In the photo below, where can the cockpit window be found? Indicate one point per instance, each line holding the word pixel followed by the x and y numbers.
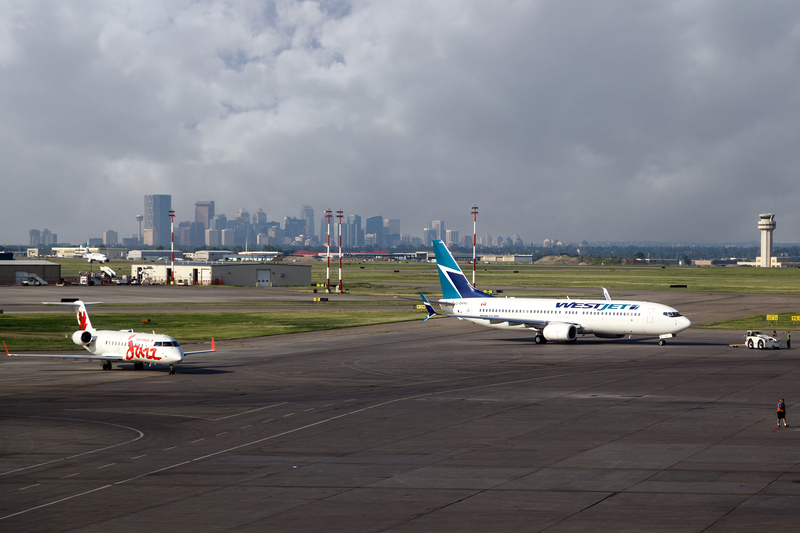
pixel 157 343
pixel 671 314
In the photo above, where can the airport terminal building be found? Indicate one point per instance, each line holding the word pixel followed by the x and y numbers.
pixel 235 274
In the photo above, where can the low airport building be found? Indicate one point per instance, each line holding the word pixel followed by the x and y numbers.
pixel 243 274
pixel 29 272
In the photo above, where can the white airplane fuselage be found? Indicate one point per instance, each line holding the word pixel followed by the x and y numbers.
pixel 598 317
pixel 147 348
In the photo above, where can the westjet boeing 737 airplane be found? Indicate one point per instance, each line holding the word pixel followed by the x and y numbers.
pixel 550 319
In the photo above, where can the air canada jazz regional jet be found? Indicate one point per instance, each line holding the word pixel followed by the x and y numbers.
pixel 551 319
pixel 120 346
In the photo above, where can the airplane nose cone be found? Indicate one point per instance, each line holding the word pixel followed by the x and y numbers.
pixel 685 323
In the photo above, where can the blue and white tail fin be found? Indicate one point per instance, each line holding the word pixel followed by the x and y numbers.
pixel 454 283
pixel 428 307
pixel 80 311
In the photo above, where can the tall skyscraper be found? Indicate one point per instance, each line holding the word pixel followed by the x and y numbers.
pixel 438 227
pixel 307 214
pixel 156 217
pixel 391 231
pixel 204 212
pixel 374 226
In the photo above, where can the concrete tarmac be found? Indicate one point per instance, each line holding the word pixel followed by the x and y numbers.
pixel 441 426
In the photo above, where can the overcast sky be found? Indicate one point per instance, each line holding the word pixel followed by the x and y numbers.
pixel 612 120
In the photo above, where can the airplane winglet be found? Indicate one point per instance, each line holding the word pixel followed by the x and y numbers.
pixel 605 294
pixel 213 348
pixel 6 347
pixel 428 307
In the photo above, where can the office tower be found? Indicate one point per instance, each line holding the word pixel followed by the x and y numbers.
pixel 307 214
pixel 110 238
pixel 49 239
pixel 156 218
pixel 35 237
pixel 438 227
pixel 352 232
pixel 391 231
pixel 294 227
pixel 374 226
pixel 218 222
pixel 259 217
pixel 204 212
pixel 452 237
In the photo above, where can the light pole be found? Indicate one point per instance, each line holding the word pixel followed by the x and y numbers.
pixel 171 246
pixel 340 215
pixel 328 254
pixel 474 240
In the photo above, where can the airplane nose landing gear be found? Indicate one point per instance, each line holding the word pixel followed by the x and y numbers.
pixel 171 369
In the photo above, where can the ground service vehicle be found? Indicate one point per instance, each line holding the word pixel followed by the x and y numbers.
pixel 755 338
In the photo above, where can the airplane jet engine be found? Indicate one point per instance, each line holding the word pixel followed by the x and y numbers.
pixel 560 332
pixel 82 338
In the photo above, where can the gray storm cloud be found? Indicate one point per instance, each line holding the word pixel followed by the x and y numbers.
pixel 672 121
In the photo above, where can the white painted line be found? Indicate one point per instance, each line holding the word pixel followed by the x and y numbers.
pixel 327 405
pixel 307 410
pixel 168 449
pixel 79 454
pixel 55 502
pixel 153 472
pixel 106 466
pixel 290 414
pixel 351 400
pixel 245 427
pixel 198 440
pixel 270 420
pixel 75 474
pixel 250 411
pixel 30 486
pixel 138 457
pixel 218 434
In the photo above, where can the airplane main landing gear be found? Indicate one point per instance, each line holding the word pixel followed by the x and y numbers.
pixel 171 369
pixel 539 339
pixel 138 366
pixel 106 365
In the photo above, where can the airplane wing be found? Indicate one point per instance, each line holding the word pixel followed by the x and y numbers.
pixel 213 349
pixel 100 357
pixel 538 324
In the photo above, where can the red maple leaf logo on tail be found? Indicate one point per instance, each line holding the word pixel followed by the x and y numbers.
pixel 82 320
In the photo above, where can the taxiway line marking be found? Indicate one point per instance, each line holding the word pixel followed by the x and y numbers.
pixel 78 454
pixel 250 411
pixel 54 502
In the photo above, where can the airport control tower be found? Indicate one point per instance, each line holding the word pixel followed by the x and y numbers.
pixel 766 223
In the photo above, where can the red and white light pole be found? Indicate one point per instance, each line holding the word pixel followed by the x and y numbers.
pixel 340 215
pixel 328 255
pixel 171 246
pixel 474 240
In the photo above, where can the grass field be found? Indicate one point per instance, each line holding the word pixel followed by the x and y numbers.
pixel 783 323
pixel 706 279
pixel 45 332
